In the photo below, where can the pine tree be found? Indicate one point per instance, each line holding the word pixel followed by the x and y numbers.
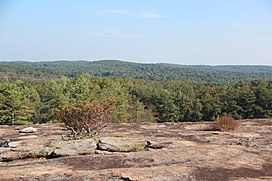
pixel 14 107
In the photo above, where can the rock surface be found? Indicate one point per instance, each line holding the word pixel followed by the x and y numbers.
pixel 72 148
pixel 114 144
pixel 176 151
pixel 28 130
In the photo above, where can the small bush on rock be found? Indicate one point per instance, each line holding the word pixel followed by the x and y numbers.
pixel 87 118
pixel 226 123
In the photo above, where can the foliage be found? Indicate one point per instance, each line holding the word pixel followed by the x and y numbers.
pixel 36 101
pixel 226 123
pixel 86 119
pixel 20 122
pixel 14 105
pixel 113 68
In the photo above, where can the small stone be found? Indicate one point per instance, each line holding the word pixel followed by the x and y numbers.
pixel 4 143
pixel 15 144
pixel 28 130
pixel 99 152
pixel 159 145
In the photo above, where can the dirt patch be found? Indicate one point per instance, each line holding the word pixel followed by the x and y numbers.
pixel 221 174
pixel 261 122
pixel 105 162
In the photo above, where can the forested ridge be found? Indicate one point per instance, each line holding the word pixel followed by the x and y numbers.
pixel 31 93
pixel 113 68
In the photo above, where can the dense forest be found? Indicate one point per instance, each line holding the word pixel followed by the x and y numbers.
pixel 34 92
pixel 113 68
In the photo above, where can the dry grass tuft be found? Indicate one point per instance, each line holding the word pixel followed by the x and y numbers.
pixel 226 123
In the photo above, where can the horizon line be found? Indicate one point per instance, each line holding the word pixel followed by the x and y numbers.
pixel 129 61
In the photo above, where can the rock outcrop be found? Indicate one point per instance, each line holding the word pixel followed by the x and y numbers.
pixel 142 151
pixel 115 144
pixel 66 148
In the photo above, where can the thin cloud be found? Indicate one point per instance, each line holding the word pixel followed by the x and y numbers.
pixel 150 15
pixel 142 14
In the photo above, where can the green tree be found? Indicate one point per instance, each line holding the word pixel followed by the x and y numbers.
pixel 51 96
pixel 166 108
pixel 14 107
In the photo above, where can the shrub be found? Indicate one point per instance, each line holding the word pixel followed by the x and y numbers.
pixel 22 122
pixel 226 123
pixel 87 118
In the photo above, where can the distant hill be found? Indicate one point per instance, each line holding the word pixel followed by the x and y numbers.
pixel 235 68
pixel 114 68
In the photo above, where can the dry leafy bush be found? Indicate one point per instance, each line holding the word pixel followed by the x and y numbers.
pixel 86 119
pixel 226 123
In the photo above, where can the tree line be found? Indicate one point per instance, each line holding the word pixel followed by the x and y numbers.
pixel 37 101
pixel 113 68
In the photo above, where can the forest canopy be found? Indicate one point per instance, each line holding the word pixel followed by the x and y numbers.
pixel 33 92
pixel 112 68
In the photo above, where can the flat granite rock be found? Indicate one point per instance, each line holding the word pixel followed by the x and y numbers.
pixel 114 144
pixel 64 148
pixel 51 149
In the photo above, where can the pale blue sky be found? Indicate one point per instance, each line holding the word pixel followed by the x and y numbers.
pixel 171 31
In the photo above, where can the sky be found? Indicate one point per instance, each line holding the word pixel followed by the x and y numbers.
pixel 212 32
